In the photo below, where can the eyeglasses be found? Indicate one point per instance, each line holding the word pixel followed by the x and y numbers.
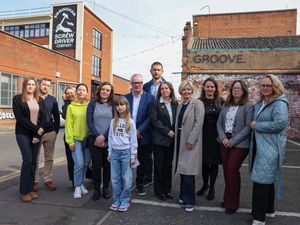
pixel 137 83
pixel 266 85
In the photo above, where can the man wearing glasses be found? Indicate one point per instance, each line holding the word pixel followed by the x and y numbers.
pixel 139 102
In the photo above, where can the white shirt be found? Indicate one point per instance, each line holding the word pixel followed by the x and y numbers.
pixel 261 108
pixel 135 105
pixel 230 118
pixel 154 88
pixel 169 108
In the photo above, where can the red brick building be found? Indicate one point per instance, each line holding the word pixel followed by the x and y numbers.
pixel 247 46
pixel 68 43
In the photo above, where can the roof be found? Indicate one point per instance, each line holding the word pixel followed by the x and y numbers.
pixel 245 44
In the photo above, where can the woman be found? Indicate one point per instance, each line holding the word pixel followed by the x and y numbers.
pixel 76 133
pixel 268 145
pixel 99 115
pixel 188 144
pixel 234 134
pixel 29 112
pixel 211 150
pixel 162 115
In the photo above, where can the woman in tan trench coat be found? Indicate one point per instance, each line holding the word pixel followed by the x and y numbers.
pixel 188 144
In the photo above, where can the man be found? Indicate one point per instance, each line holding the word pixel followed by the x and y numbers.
pixel 152 87
pixel 139 102
pixel 50 132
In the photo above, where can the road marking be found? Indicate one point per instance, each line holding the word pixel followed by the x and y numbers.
pixel 287 167
pixel 104 218
pixel 206 208
pixel 293 142
pixel 17 173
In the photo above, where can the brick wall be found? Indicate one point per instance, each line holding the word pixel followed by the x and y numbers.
pixel 246 24
pixel 121 85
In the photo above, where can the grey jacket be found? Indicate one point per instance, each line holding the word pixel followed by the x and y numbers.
pixel 241 127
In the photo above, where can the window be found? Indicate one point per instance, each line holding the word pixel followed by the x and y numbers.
pixel 96 68
pixel 10 86
pixel 97 39
pixel 29 30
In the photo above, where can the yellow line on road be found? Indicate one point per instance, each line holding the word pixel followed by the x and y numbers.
pixel 17 173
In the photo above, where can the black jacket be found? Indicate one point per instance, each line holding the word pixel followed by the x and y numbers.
pixel 22 115
pixel 161 123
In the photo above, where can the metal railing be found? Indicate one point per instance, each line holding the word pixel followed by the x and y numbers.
pixel 24 12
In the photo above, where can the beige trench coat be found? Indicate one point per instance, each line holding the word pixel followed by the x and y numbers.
pixel 189 162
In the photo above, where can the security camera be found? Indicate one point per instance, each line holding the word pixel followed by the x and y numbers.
pixel 57 74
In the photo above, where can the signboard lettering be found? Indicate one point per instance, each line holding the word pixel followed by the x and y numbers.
pixel 219 59
pixel 7 115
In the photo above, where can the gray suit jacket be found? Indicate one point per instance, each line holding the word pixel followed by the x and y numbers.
pixel 241 127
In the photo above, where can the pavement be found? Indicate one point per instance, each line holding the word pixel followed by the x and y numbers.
pixel 60 208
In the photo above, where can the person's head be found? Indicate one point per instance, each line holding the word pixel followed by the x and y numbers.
pixel 105 93
pixel 29 88
pixel 122 110
pixel 238 93
pixel 69 93
pixel 45 85
pixel 156 70
pixel 209 89
pixel 166 90
pixel 81 92
pixel 185 89
pixel 270 87
pixel 136 82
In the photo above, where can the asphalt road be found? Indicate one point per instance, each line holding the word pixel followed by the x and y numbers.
pixel 59 208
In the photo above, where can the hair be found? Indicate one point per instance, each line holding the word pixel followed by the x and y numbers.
pixel 68 88
pixel 136 75
pixel 183 84
pixel 244 99
pixel 157 64
pixel 121 100
pixel 45 79
pixel 24 91
pixel 277 86
pixel 216 94
pixel 77 86
pixel 172 94
pixel 110 99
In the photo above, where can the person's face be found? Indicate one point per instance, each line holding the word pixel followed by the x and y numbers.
pixel 266 87
pixel 137 84
pixel 81 92
pixel 105 92
pixel 121 108
pixel 209 89
pixel 70 94
pixel 187 92
pixel 237 90
pixel 30 87
pixel 156 72
pixel 165 91
pixel 45 87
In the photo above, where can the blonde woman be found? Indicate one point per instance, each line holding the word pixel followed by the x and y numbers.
pixel 268 147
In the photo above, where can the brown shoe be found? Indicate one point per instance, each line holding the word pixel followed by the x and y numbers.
pixel 36 187
pixel 50 186
pixel 33 195
pixel 26 198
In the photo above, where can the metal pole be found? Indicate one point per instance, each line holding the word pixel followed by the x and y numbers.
pixel 207 6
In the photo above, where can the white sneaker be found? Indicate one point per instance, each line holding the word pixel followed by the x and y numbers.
pixel 84 191
pixel 77 192
pixel 257 222
pixel 270 215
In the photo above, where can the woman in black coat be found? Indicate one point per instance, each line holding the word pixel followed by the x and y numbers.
pixel 162 115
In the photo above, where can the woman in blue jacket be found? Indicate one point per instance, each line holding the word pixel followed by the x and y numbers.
pixel 267 147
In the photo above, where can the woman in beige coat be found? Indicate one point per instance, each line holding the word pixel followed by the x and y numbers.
pixel 188 144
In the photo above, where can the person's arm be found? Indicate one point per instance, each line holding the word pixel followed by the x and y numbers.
pixel 90 119
pixel 146 123
pixel 69 127
pixel 56 117
pixel 155 119
pixel 110 137
pixel 133 140
pixel 199 113
pixel 220 129
pixel 64 110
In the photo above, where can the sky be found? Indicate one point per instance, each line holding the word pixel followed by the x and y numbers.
pixel 145 31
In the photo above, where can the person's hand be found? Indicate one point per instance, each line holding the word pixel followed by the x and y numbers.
pixel 132 161
pixel 171 134
pixel 189 146
pixel 253 125
pixel 100 140
pixel 72 147
pixel 35 140
pixel 139 135
pixel 225 142
pixel 108 158
pixel 40 131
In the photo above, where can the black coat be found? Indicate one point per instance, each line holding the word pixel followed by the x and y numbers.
pixel 161 123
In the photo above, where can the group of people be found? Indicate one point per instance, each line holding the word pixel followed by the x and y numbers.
pixel 187 137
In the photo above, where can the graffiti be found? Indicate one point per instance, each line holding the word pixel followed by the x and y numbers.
pixel 7 115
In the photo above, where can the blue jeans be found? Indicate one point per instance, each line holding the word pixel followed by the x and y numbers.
pixel 121 174
pixel 29 153
pixel 187 190
pixel 81 157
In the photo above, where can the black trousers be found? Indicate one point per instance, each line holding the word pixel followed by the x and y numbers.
pixel 163 157
pixel 29 153
pixel 148 177
pixel 187 189
pixel 262 200
pixel 99 162
pixel 70 162
pixel 144 152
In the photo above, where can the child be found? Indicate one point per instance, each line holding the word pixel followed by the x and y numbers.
pixel 122 150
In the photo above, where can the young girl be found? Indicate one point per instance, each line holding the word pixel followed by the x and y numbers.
pixel 122 150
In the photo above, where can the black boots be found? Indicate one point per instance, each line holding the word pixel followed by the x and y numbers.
pixel 202 190
pixel 106 193
pixel 211 194
pixel 96 195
